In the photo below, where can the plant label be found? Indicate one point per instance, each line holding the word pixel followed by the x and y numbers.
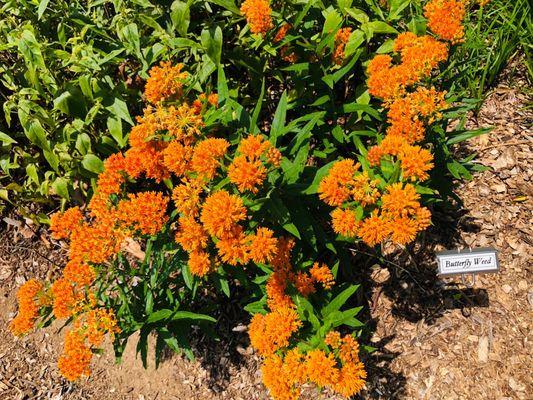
pixel 468 261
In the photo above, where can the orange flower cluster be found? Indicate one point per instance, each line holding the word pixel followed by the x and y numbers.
pixel 258 14
pixel 89 330
pixel 337 368
pixel 165 82
pixel 345 186
pixel 248 169
pixel 419 56
pixel 445 19
pixel 341 38
pixel 28 300
pixel 284 368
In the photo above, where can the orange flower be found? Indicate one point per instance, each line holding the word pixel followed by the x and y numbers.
pixel 79 272
pixel 445 19
pixel 272 331
pixel 390 145
pixel 341 38
pixel 253 147
pixel 349 350
pixel 333 189
pixel 247 175
pixel 165 81
pixel 275 290
pixel 277 382
pixel 333 339
pixel 64 298
pixel 322 274
pixel 191 235
pixel 62 224
pixel 415 162
pixel 186 196
pixel 321 368
pixel 282 260
pixel 28 313
pixel 351 379
pixel 281 33
pixel 76 357
pixel 207 155
pixel 273 156
pixel 100 321
pixel 364 189
pixel 199 263
pixel 263 246
pixel 344 222
pixel 258 15
pixel 374 230
pixel 304 283
pixel 233 247
pixel 177 157
pixel 400 200
pixel 183 122
pixel 294 367
pixel 220 212
pixel 405 112
pixel 419 56
pixel 403 230
pixel 145 211
pixel 422 216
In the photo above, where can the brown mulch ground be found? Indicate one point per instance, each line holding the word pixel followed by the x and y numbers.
pixel 435 339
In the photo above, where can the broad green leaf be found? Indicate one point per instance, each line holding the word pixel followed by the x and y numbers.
pixel 332 21
pixel 42 7
pixel 181 16
pixel 227 4
pixel 6 139
pixel 114 125
pixel 60 186
pixel 119 109
pixel 92 163
pixel 212 42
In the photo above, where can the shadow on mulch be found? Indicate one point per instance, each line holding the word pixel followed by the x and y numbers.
pixel 415 291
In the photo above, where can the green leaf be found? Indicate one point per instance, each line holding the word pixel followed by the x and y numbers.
pixel 42 7
pixel 279 119
pixel 114 125
pixel 187 276
pixel 181 16
pixel 60 186
pixel 227 4
pixel 119 109
pixel 92 163
pixel 332 21
pixel 37 135
pixel 461 136
pixel 6 139
pixel 159 315
pixel 320 174
pixel 339 300
pixel 212 42
pixel 190 315
pixel 52 159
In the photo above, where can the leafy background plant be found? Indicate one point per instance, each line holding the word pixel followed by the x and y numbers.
pixel 71 74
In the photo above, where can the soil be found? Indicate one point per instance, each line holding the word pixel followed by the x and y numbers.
pixel 434 338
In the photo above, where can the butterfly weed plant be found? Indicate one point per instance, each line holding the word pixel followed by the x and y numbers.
pixel 305 127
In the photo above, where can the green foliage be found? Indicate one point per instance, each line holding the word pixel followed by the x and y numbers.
pixel 495 34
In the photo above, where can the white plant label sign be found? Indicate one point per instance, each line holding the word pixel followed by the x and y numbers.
pixel 468 261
